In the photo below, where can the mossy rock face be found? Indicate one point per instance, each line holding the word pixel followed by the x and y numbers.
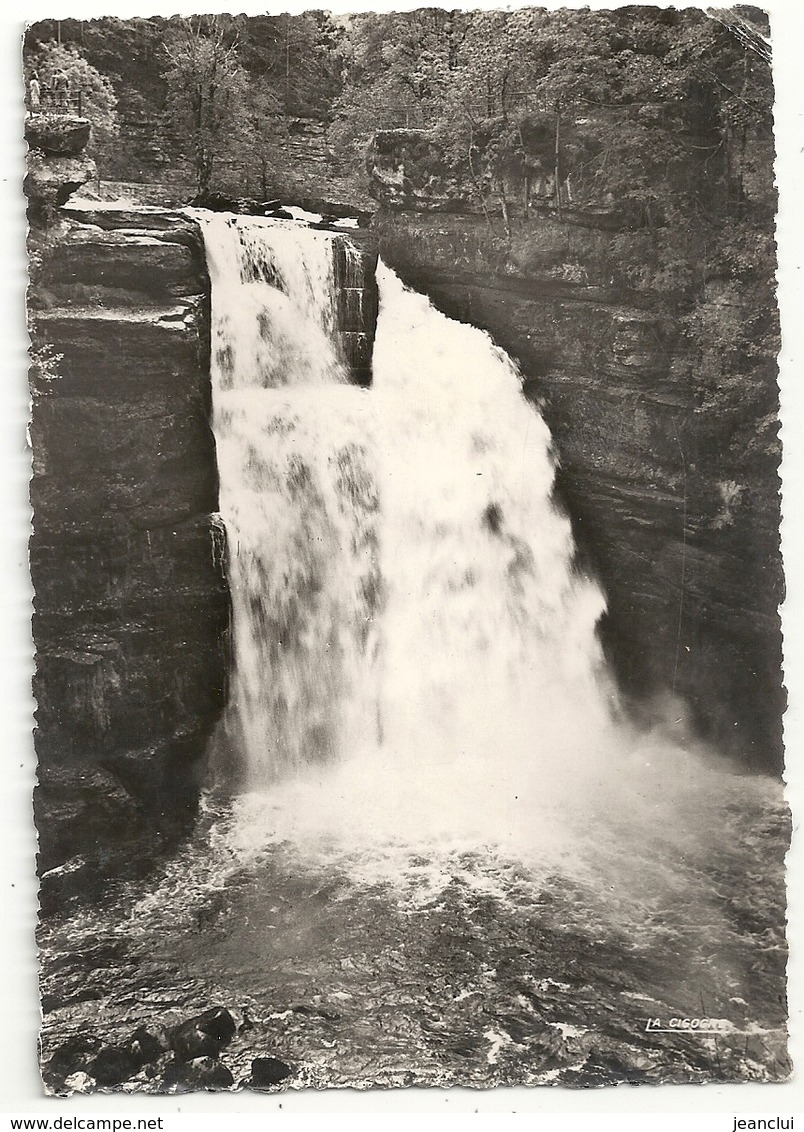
pixel 57 134
pixel 408 171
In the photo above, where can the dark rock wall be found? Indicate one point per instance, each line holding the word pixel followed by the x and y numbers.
pixel 131 605
pixel 301 165
pixel 356 302
pixel 687 553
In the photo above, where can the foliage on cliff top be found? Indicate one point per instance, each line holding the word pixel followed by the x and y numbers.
pixel 98 99
pixel 660 118
pixel 646 108
pixel 210 106
pixel 214 92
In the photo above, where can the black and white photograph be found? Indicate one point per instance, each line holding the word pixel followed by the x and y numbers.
pixel 405 552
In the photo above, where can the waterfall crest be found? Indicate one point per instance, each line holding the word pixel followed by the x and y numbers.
pixel 273 303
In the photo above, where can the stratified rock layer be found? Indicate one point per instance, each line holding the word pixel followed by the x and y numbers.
pixel 684 539
pixel 131 605
pixel 408 171
pixel 356 303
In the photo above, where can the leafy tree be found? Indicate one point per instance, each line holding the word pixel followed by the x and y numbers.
pixel 98 99
pixel 395 68
pixel 295 56
pixel 212 108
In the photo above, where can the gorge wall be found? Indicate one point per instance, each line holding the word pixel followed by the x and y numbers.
pixel 131 606
pixel 682 532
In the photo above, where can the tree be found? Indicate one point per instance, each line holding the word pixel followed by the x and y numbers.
pixel 213 110
pixel 98 100
pixel 395 68
pixel 295 56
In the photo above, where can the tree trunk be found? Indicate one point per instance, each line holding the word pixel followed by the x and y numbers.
pixel 504 205
pixel 201 178
pixel 479 187
pixel 558 160
pixel 204 171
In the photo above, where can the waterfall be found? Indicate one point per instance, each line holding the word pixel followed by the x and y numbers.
pixel 432 851
pixel 273 304
pixel 488 632
pixel 296 494
pixel 414 650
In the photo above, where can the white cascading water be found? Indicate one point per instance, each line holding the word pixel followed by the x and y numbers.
pixel 273 305
pixel 415 660
pixel 297 500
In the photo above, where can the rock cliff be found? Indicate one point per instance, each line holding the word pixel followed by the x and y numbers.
pixel 131 606
pixel 682 533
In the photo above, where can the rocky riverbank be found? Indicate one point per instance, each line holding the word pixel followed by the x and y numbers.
pixel 186 1057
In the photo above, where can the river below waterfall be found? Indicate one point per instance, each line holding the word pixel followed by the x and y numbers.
pixel 466 970
pixel 433 849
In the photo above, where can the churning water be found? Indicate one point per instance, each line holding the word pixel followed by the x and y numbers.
pixel 436 851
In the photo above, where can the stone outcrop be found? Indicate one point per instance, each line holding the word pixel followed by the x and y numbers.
pixel 684 541
pixel 57 135
pixel 51 181
pixel 56 166
pixel 131 605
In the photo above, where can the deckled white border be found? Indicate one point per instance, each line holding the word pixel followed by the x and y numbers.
pixel 20 1088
